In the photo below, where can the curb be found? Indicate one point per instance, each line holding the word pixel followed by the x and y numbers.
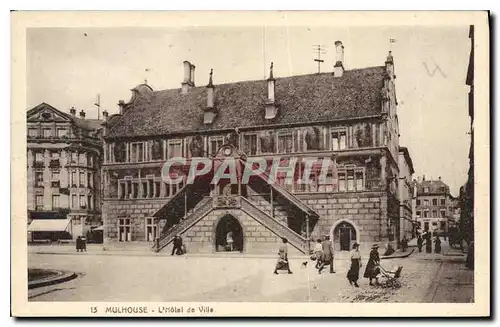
pixel 406 255
pixel 60 278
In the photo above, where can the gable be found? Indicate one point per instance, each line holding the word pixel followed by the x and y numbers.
pixel 46 113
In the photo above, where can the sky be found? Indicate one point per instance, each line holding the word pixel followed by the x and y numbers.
pixel 70 66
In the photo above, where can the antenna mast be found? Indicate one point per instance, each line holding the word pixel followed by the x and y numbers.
pixel 319 50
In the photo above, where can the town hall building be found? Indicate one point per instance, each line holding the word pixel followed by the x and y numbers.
pixel 347 116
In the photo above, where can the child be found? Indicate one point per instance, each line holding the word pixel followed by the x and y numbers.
pixel 318 252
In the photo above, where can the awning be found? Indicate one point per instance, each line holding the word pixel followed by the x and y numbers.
pixel 49 225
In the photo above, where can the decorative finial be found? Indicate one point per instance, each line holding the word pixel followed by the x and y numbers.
pixel 210 81
pixel 146 81
pixel 271 71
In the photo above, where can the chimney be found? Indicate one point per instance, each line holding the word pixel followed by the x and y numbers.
pixel 188 81
pixel 82 114
pixel 423 178
pixel 121 104
pixel 72 111
pixel 439 178
pixel 105 115
pixel 389 66
pixel 271 109
pixel 210 112
pixel 338 68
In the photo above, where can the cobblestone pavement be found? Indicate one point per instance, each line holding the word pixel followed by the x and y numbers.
pixel 425 278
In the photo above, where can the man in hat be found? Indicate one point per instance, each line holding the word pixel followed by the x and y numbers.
pixel 372 270
pixel 327 255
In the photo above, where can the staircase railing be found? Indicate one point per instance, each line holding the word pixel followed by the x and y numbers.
pixel 296 240
pixel 204 208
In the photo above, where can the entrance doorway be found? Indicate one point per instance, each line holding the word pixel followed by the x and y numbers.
pixel 228 228
pixel 344 236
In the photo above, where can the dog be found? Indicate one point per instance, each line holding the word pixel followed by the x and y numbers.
pixel 304 264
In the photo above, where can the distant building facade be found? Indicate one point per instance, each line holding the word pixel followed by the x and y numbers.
pixel 435 206
pixel 407 224
pixel 64 158
pixel 348 116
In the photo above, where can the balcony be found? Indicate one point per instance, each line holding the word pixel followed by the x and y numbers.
pixel 54 163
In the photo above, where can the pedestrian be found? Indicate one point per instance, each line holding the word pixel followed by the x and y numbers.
pixel 372 267
pixel 327 257
pixel 79 244
pixel 404 244
pixel 420 243
pixel 84 244
pixel 318 252
pixel 428 243
pixel 283 263
pixel 437 245
pixel 230 240
pixel 353 273
pixel 177 248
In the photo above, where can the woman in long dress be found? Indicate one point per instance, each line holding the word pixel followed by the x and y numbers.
pixel 372 270
pixel 353 273
pixel 283 263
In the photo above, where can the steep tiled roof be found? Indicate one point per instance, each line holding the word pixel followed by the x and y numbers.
pixel 435 187
pixel 304 98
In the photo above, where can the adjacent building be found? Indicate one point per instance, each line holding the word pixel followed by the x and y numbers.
pixel 347 116
pixel 64 158
pixel 435 206
pixel 407 224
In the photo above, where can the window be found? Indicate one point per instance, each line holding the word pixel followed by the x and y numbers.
pixel 89 201
pixel 434 214
pixel 156 150
pixel 39 178
pixel 124 230
pixel 443 202
pixel 157 189
pixel 426 213
pixel 47 132
pixel 434 223
pixel 39 202
pixel 426 202
pixel 54 155
pixel 74 157
pixel 137 152
pixel 426 190
pixel 250 144
pixel 73 178
pixel 418 214
pixel 39 157
pixel 62 132
pixel 443 213
pixel 90 180
pixel 32 132
pixel 442 225
pixel 55 175
pixel 434 202
pixel 82 178
pixel 285 143
pixel 83 159
pixel 55 201
pixel 73 201
pixel 174 148
pixel 426 226
pixel 418 202
pixel 150 230
pixel 338 140
pixel 215 143
pixel 83 205
pixel 351 180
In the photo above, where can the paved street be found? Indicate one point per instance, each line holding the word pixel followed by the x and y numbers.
pixel 129 277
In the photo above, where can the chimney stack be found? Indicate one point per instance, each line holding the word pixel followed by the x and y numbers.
pixel 121 104
pixel 338 68
pixel 188 81
pixel 82 114
pixel 210 112
pixel 271 109
pixel 389 66
pixel 72 111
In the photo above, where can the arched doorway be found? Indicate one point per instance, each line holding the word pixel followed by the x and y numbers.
pixel 228 227
pixel 344 235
